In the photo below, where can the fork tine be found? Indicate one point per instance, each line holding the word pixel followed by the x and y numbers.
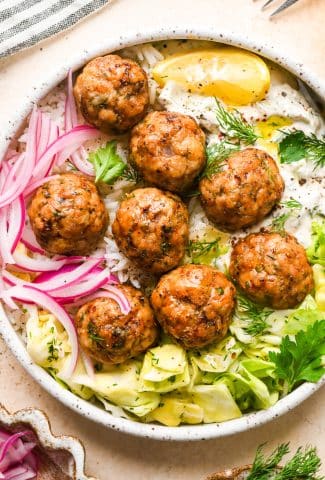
pixel 267 4
pixel 284 6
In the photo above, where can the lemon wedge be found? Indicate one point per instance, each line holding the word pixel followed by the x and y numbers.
pixel 235 76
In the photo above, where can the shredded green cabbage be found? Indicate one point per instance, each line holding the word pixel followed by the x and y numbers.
pixel 316 252
pixel 171 386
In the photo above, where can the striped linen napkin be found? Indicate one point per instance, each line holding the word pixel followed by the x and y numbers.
pixel 24 23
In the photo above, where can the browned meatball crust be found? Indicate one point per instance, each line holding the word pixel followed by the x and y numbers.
pixel 244 191
pixel 194 305
pixel 168 149
pixel 272 269
pixel 151 229
pixel 112 93
pixel 68 216
pixel 110 336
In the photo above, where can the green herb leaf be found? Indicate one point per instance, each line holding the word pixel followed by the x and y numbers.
pixel 93 334
pixel 234 125
pixel 297 146
pixel 107 163
pixel 131 174
pixel 304 465
pixel 278 223
pixel 256 314
pixel 216 155
pixel 300 359
pixel 197 249
pixel 263 467
pixel 53 350
pixel 292 204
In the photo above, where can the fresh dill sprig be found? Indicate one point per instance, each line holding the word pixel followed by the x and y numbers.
pixel 263 467
pixel 278 223
pixel 131 174
pixel 304 465
pixel 297 145
pixel 256 314
pixel 216 155
pixel 292 203
pixel 196 249
pixel 234 125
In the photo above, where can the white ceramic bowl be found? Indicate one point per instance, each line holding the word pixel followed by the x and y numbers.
pixel 65 452
pixel 182 433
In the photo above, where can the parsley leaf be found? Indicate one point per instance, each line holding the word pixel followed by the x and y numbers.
pixel 234 125
pixel 297 145
pixel 107 163
pixel 300 359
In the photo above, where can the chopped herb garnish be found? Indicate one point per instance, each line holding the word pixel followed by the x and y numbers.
pixel 256 314
pixel 291 203
pixel 93 334
pixel 107 163
pixel 53 350
pixel 297 145
pixel 197 249
pixel 234 125
pixel 131 174
pixel 165 246
pixel 216 155
pixel 278 223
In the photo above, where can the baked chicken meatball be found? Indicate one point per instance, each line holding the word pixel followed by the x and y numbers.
pixel 194 305
pixel 110 336
pixel 244 191
pixel 68 216
pixel 271 269
pixel 168 149
pixel 151 229
pixel 112 93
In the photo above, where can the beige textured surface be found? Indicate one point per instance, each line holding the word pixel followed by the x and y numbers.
pixel 299 34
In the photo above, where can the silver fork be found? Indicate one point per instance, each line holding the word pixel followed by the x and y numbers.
pixel 286 4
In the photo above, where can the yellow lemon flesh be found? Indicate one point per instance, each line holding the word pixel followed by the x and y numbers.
pixel 266 130
pixel 235 76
